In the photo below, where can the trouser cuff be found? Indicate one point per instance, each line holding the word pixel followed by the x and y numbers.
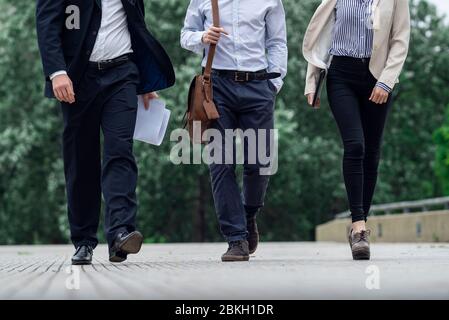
pixel 251 211
pixel 236 238
pixel 358 217
pixel 91 244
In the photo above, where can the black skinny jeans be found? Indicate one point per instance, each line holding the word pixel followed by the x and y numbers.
pixel 361 124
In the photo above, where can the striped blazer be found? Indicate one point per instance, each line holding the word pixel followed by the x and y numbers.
pixel 391 24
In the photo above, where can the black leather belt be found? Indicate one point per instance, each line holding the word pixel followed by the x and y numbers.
pixel 107 64
pixel 351 59
pixel 243 76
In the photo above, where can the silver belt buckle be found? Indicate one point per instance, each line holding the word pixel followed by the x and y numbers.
pixel 237 79
pixel 100 63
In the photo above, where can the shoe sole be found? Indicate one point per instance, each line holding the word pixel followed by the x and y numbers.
pixel 116 259
pixel 361 254
pixel 234 258
pixel 253 250
pixel 81 263
pixel 133 243
pixel 256 240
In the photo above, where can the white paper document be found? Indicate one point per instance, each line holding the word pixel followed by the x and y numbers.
pixel 151 124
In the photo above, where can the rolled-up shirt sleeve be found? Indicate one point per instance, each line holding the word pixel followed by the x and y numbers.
pixel 276 42
pixel 383 86
pixel 193 30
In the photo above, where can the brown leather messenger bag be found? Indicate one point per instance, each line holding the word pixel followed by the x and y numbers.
pixel 201 108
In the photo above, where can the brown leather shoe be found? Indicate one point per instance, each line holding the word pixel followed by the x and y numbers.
pixel 253 234
pixel 359 243
pixel 237 251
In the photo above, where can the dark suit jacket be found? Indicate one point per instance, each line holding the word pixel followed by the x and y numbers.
pixel 64 49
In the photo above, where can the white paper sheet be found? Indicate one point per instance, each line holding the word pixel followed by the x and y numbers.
pixel 151 124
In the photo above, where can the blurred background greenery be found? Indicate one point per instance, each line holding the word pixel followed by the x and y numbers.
pixel 175 201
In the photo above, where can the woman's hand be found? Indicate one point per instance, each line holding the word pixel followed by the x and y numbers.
pixel 379 95
pixel 212 36
pixel 310 100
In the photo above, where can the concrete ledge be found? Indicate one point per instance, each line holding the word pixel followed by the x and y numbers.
pixel 409 227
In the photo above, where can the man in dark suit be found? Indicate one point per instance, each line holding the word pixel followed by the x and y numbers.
pixel 97 57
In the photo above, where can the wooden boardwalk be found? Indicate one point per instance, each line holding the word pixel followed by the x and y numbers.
pixel 193 271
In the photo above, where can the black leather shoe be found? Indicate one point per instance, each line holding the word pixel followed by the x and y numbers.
pixel 125 243
pixel 117 256
pixel 83 255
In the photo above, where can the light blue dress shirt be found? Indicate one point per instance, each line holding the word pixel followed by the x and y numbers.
pixel 257 37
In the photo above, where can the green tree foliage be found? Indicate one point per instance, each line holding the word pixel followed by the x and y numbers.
pixel 441 138
pixel 407 172
pixel 175 201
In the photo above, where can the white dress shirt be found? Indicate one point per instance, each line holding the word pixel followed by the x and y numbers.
pixel 113 39
pixel 257 35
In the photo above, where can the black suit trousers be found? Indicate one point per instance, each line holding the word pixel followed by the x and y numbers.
pixel 106 101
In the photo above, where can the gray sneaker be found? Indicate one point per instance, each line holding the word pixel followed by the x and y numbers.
pixel 237 251
pixel 359 243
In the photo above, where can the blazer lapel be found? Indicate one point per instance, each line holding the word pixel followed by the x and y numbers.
pixel 98 2
pixel 375 15
pixel 318 36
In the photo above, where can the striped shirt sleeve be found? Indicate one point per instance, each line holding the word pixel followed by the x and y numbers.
pixel 383 86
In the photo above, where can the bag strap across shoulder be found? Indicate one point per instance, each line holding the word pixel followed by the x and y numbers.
pixel 213 47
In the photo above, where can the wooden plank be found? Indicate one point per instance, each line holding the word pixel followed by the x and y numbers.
pixel 193 271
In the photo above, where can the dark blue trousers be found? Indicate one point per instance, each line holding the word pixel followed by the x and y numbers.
pixel 242 105
pixel 105 100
